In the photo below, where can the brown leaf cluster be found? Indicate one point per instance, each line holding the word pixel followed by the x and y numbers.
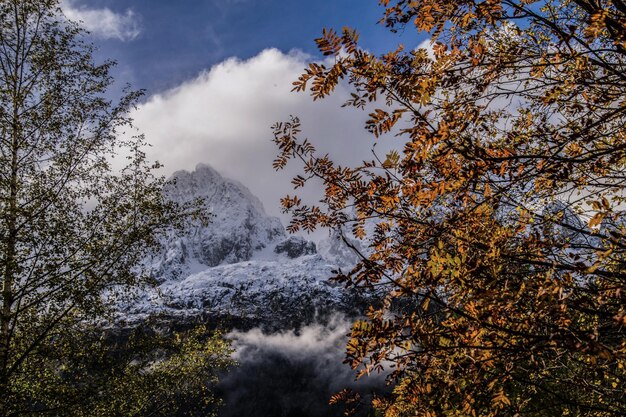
pixel 496 230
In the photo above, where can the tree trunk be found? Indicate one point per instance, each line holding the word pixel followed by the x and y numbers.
pixel 10 267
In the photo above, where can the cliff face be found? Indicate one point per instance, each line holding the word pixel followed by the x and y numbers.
pixel 242 266
pixel 238 228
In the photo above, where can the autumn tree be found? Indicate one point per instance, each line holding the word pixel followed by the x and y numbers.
pixel 496 231
pixel 72 229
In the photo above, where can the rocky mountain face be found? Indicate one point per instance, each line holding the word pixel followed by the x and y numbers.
pixel 237 229
pixel 242 267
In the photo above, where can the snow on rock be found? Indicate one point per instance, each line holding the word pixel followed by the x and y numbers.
pixel 276 294
pixel 242 264
pixel 238 227
pixel 295 247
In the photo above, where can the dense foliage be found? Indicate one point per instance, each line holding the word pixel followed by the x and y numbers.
pixel 146 370
pixel 72 229
pixel 496 231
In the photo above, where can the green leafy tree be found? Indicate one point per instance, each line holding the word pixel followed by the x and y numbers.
pixel 147 370
pixel 72 230
pixel 498 238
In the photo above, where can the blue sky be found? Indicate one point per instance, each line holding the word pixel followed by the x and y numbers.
pixel 218 74
pixel 176 39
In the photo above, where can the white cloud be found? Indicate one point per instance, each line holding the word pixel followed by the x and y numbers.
pixel 294 371
pixel 223 118
pixel 309 341
pixel 427 45
pixel 103 23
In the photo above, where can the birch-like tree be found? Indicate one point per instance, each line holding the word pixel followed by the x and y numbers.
pixel 72 229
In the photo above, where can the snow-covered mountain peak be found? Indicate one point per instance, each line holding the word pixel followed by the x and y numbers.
pixel 241 264
pixel 239 226
pixel 219 192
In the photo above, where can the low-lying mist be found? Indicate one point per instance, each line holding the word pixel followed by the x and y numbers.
pixel 291 373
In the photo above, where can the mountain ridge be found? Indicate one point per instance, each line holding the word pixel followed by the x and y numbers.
pixel 242 264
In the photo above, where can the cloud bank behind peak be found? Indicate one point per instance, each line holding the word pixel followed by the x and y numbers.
pixel 223 117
